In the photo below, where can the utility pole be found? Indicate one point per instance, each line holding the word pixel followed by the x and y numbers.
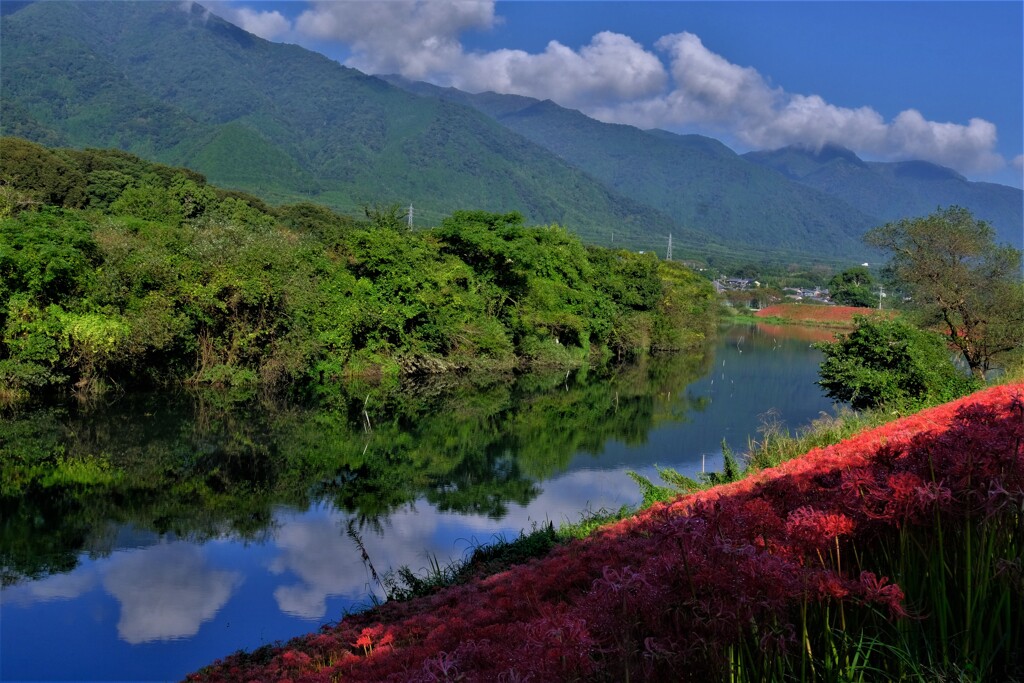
pixel 880 295
pixel 668 255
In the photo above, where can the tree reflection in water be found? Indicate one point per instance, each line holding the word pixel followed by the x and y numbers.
pixel 198 466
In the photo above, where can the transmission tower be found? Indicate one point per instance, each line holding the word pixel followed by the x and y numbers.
pixel 410 216
pixel 668 255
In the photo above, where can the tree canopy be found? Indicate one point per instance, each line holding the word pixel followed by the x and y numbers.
pixel 852 287
pixel 958 278
pixel 119 271
pixel 890 362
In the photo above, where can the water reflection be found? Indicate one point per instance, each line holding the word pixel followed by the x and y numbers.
pixel 54 587
pixel 166 591
pixel 157 533
pixel 195 467
pixel 319 562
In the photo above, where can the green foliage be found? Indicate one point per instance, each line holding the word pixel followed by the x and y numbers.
pixel 731 470
pixel 890 363
pixel 852 287
pixel 41 173
pixel 148 202
pixel 287 124
pixel 959 280
pixel 677 484
pixel 167 279
pixel 318 221
pixel 390 217
pixel 49 255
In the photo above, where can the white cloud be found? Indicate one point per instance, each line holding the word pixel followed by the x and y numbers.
pixel 269 25
pixel 710 91
pixel 616 79
pixel 413 37
pixel 54 587
pixel 611 65
pixel 166 591
pixel 317 559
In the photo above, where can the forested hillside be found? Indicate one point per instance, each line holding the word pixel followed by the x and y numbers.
pixel 120 271
pixel 697 180
pixel 890 191
pixel 175 83
pixel 790 198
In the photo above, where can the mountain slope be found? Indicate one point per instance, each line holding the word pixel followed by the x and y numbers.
pixel 898 190
pixel 699 181
pixel 177 84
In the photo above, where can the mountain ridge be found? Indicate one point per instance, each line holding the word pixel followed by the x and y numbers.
pixel 900 189
pixel 290 124
pixel 698 180
pixel 884 191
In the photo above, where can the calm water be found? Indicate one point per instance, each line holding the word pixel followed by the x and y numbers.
pixel 211 524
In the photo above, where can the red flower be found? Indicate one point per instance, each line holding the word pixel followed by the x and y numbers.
pixel 881 591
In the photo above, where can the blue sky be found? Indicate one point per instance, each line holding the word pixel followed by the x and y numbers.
pixel 941 81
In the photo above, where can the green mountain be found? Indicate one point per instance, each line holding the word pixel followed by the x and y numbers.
pixel 172 82
pixel 697 180
pixel 903 189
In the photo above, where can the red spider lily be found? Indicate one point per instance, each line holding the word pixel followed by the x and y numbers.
pixel 881 591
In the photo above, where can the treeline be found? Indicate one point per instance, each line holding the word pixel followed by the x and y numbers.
pixel 114 270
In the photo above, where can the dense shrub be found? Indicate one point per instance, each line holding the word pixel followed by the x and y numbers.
pixel 205 286
pixel 889 362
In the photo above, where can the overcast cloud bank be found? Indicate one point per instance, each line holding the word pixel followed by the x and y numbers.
pixel 680 85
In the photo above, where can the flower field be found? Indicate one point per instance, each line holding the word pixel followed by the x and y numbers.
pixel 894 555
pixel 813 314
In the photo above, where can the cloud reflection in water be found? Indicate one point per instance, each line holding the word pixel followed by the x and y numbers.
pixel 166 591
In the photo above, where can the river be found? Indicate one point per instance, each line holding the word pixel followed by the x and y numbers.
pixel 178 529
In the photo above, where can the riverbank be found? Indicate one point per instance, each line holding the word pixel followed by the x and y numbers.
pixel 804 567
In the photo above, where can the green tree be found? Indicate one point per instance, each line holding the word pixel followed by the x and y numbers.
pixel 43 174
pixel 852 287
pixel 148 202
pixel 889 362
pixel 387 217
pixel 958 278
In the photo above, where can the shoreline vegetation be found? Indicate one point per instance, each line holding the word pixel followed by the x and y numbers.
pixel 894 553
pixel 120 273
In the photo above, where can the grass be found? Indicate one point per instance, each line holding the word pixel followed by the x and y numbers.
pixel 775 446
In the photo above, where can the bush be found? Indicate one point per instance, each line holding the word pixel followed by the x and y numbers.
pixel 888 362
